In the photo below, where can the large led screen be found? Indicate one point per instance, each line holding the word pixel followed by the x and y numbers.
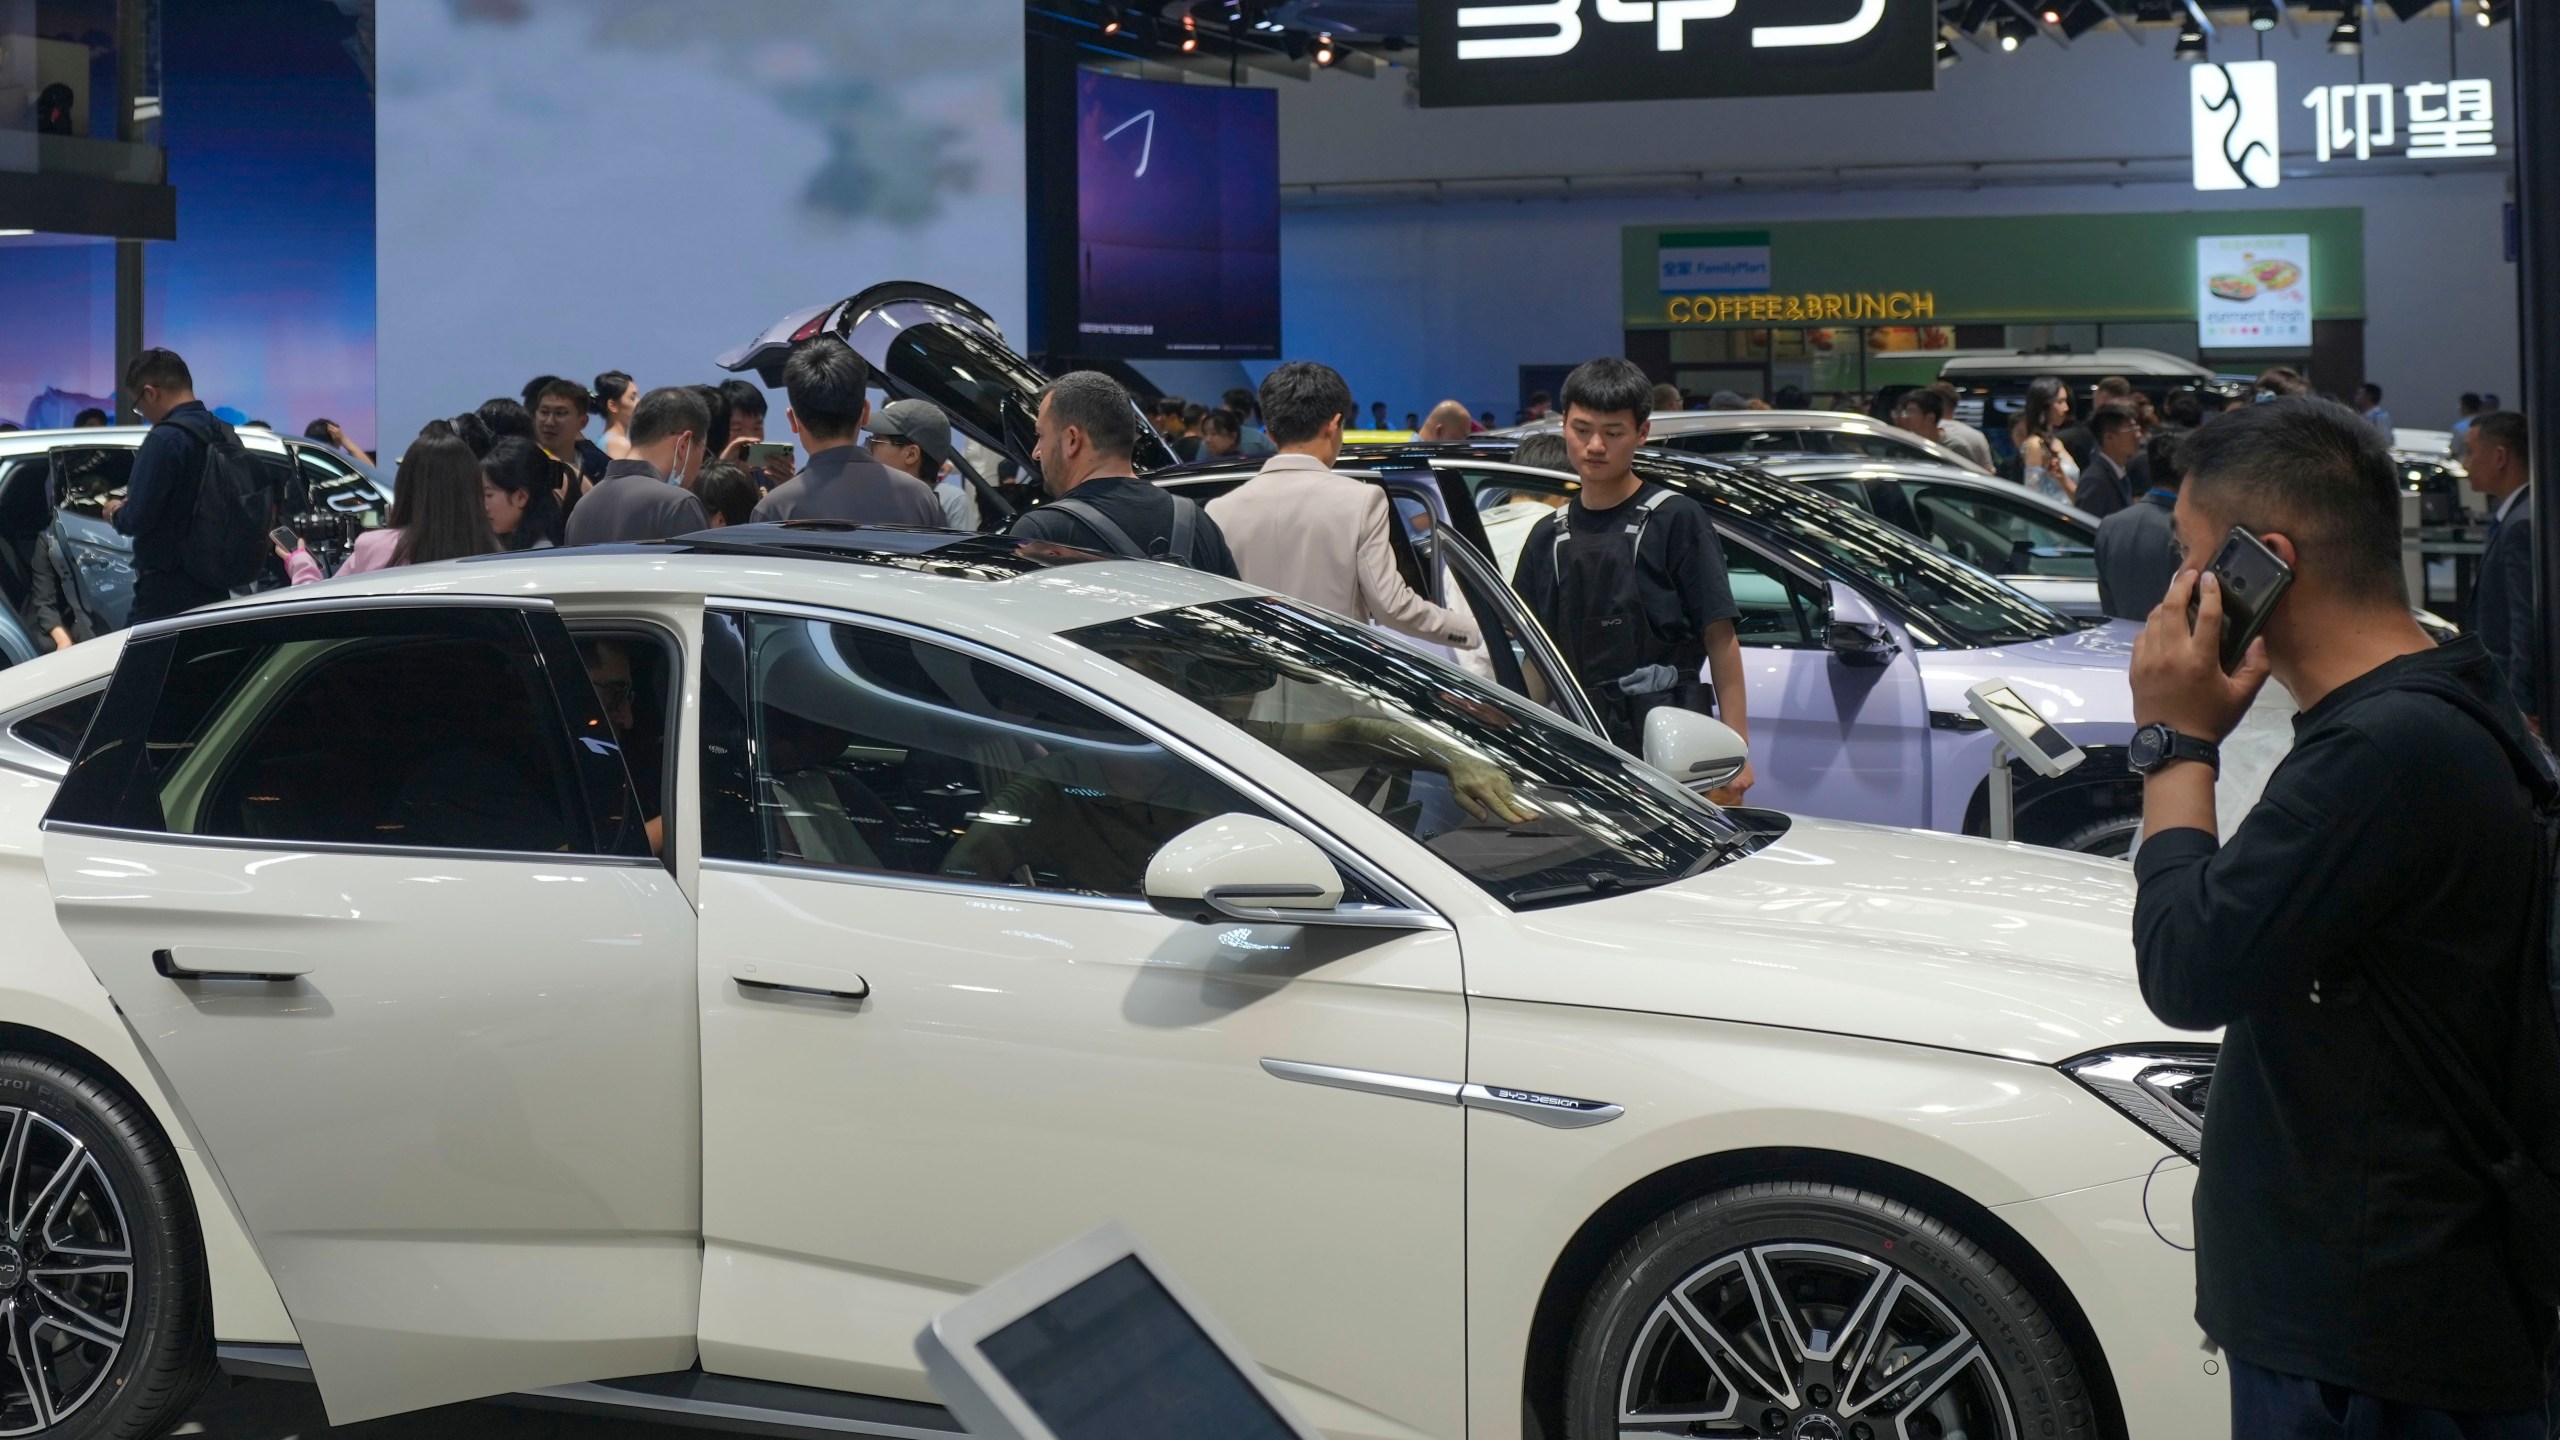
pixel 1178 220
pixel 575 186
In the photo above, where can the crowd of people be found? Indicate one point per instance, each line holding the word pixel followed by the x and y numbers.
pixel 2391 873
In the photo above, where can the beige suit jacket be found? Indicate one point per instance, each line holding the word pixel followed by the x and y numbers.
pixel 1306 532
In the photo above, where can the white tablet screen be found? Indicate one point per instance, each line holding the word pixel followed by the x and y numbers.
pixel 1116 1358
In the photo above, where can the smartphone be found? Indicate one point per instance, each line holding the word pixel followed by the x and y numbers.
pixel 285 539
pixel 762 454
pixel 2252 580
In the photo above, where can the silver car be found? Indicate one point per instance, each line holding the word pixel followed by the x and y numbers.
pixel 1784 432
pixel 2040 546
pixel 54 485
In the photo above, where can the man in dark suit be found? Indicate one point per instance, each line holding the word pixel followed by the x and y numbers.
pixel 2502 611
pixel 2138 545
pixel 2106 484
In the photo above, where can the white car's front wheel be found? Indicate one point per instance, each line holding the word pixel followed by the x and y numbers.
pixel 101 1273
pixel 1817 1312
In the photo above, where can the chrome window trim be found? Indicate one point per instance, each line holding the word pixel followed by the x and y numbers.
pixel 326 847
pixel 933 884
pixel 22 755
pixel 1371 875
pixel 1459 462
pixel 331 604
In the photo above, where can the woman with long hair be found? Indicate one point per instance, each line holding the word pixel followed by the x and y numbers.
pixel 2045 464
pixel 436 508
pixel 615 398
pixel 519 491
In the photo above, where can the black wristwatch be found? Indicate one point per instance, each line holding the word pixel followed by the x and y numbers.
pixel 2156 747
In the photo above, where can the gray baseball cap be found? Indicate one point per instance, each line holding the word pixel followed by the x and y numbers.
pixel 915 422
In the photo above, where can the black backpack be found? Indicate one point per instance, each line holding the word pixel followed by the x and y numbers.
pixel 225 544
pixel 2511 1140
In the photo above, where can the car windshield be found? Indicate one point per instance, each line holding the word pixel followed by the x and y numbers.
pixel 1954 606
pixel 1535 811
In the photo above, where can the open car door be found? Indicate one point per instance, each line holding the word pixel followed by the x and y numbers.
pixel 925 343
pixel 368 881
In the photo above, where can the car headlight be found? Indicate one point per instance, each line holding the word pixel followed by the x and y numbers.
pixel 2161 1088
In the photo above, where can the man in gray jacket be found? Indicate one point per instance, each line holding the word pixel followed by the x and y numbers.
pixel 644 495
pixel 2138 545
pixel 827 384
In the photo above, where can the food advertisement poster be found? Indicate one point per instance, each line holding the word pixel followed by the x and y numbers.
pixel 2253 292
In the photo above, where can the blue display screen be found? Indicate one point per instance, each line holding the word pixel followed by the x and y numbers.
pixel 1178 220
pixel 1117 1358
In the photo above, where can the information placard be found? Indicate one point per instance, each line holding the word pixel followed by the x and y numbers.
pixel 2253 292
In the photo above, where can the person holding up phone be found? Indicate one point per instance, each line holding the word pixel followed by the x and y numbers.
pixel 828 382
pixel 2350 1260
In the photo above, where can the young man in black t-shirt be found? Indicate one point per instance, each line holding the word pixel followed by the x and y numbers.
pixel 1629 578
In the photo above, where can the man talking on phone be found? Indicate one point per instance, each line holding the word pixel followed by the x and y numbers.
pixel 2350 1261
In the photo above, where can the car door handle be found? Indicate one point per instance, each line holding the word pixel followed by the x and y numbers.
pixel 786 978
pixel 270 968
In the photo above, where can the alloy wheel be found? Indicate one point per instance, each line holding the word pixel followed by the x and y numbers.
pixel 66 1273
pixel 1809 1342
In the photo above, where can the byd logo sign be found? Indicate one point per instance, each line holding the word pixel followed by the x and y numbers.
pixel 1533 51
pixel 1561 24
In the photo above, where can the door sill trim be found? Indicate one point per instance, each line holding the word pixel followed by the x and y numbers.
pixel 692 1397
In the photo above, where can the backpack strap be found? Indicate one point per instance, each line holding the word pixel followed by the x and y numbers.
pixel 1100 524
pixel 1186 519
pixel 2533 765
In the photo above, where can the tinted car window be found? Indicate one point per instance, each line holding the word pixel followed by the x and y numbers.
pixel 879 752
pixel 2002 536
pixel 1778 610
pixel 1872 443
pixel 437 729
pixel 1955 605
pixel 1533 810
pixel 57 731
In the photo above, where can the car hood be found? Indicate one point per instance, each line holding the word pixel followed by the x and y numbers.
pixel 1904 935
pixel 2082 678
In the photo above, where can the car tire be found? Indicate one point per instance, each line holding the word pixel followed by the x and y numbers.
pixel 105 1285
pixel 2108 839
pixel 1896 1317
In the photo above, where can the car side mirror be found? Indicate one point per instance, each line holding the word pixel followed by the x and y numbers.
pixel 1857 634
pixel 1697 750
pixel 1241 867
pixel 1246 867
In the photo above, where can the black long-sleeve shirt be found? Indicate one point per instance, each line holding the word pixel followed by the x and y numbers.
pixel 160 494
pixel 2338 1236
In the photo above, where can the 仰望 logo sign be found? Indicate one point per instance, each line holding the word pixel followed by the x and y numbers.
pixel 2446 120
pixel 2238 143
pixel 2253 292
pixel 1518 52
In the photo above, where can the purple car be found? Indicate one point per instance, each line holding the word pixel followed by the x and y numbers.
pixel 1859 639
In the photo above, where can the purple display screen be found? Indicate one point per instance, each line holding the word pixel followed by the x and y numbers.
pixel 1178 220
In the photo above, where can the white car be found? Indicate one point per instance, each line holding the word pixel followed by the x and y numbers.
pixel 1485 1081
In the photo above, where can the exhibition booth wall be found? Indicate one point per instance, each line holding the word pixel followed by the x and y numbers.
pixel 1454 252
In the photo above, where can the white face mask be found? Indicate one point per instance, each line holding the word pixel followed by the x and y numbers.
pixel 676 461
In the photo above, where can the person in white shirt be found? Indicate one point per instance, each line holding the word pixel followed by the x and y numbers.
pixel 1306 532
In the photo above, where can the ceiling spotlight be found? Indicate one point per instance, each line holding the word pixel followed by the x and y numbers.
pixel 2191 46
pixel 2052 14
pixel 2348 38
pixel 2014 32
pixel 2262 14
pixel 1947 55
pixel 1190 42
pixel 1112 21
pixel 1324 49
